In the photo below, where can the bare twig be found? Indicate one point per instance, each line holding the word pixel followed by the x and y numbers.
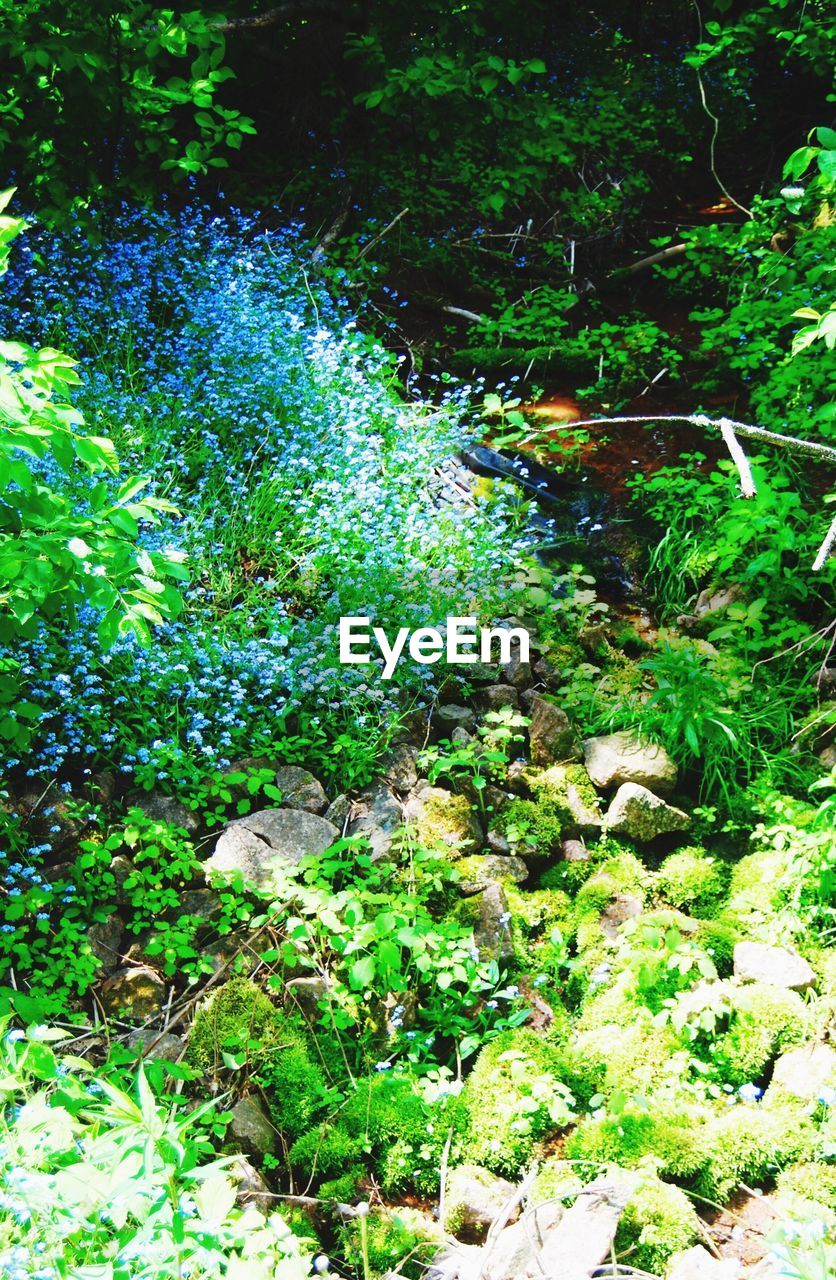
pixel 465 314
pixel 672 251
pixel 715 121
pixel 826 547
pixel 747 482
pixel 376 239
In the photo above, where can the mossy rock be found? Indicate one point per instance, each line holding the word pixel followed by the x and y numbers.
pixel 676 1134
pixel 446 821
pixel 754 894
pixel 748 1144
pixel 692 880
pixel 401 1240
pixel 765 1021
pixel 556 1180
pixel 658 1221
pixel 506 1120
pixel 718 939
pixel 813 1181
pixel 632 1058
pixel 237 1017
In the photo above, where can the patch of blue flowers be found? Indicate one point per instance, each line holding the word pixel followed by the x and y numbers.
pixel 307 488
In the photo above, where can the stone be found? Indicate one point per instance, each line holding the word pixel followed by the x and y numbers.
pixel 570 786
pixel 481 870
pixel 251 1127
pixel 300 789
pixel 444 819
pixel 497 843
pixel 492 924
pixel 460 737
pixel 51 822
pixel 306 993
pixel 104 938
pixel 623 757
pixel 758 962
pixel 584 1236
pixel 339 811
pixel 137 993
pixel 550 734
pixel 159 807
pixel 159 1045
pixel 400 767
pixel 623 907
pixel 258 845
pixel 518 673
pixel 497 696
pixel 805 1072
pixel 575 851
pixel 636 812
pixel 517 1248
pixel 451 716
pixel 200 904
pixel 252 1187
pixel 379 818
pixel 474 1199
pixel 709 607
pixel 699 1264
pixel 458 1262
pixel 121 868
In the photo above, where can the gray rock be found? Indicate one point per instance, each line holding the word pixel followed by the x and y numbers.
pixel 710 606
pixel 338 811
pixel 121 868
pixel 104 938
pixel 805 1072
pixel 258 845
pixel 451 716
pixel 575 851
pixel 300 789
pixel 135 993
pixel 497 696
pixel 584 1236
pixel 52 822
pixel 497 843
pixel 474 1199
pixel 201 904
pixel 623 907
pixel 252 1187
pixel 379 819
pixel 160 1045
pixel 518 673
pixel 252 1129
pixel 623 757
pixel 492 925
pixel 699 1264
pixel 638 813
pixel 516 1250
pixel 482 870
pixel 550 734
pixel 158 807
pixel 400 766
pixel 306 993
pixel 757 962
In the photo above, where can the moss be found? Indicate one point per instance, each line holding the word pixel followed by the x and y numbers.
pixel 718 939
pixel 506 1120
pixel 326 1150
pixel 691 879
pixel 532 827
pixel 238 1016
pixel 403 1241
pixel 765 1020
pixel 754 895
pixel 556 1180
pixel 345 1188
pixel 677 1135
pixel 632 1057
pixel 536 920
pixel 749 1144
pixel 814 1181
pixel 447 823
pixel 658 1221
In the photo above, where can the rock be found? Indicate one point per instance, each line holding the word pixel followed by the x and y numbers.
pixel 338 811
pixel 805 1072
pixel 136 993
pixel 583 1237
pixel 710 605
pixel 379 818
pixel 104 938
pixel 444 819
pixel 623 757
pixel 306 993
pixel 497 696
pixel 451 716
pixel 400 767
pixel 638 813
pixel 492 925
pixel 623 907
pixel 474 1199
pixel 121 868
pixel 51 822
pixel 518 673
pixel 251 1127
pixel 699 1264
pixel 200 904
pixel 300 789
pixel 827 757
pixel 570 787
pixel 159 1045
pixel 159 807
pixel 517 1248
pixel 481 870
pixel 258 845
pixel 497 843
pixel 575 851
pixel 252 1187
pixel 758 962
pixel 550 734
pixel 457 1262
pixel 460 737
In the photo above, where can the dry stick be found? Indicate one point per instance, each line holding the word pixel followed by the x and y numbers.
pixel 826 547
pixel 376 239
pixel 464 313
pixel 715 120
pixel 672 251
pixel 747 482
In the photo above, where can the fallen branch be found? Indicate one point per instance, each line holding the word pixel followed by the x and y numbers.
pixel 473 316
pixel 747 482
pixel 376 239
pixel 328 238
pixel 826 547
pixel 672 251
